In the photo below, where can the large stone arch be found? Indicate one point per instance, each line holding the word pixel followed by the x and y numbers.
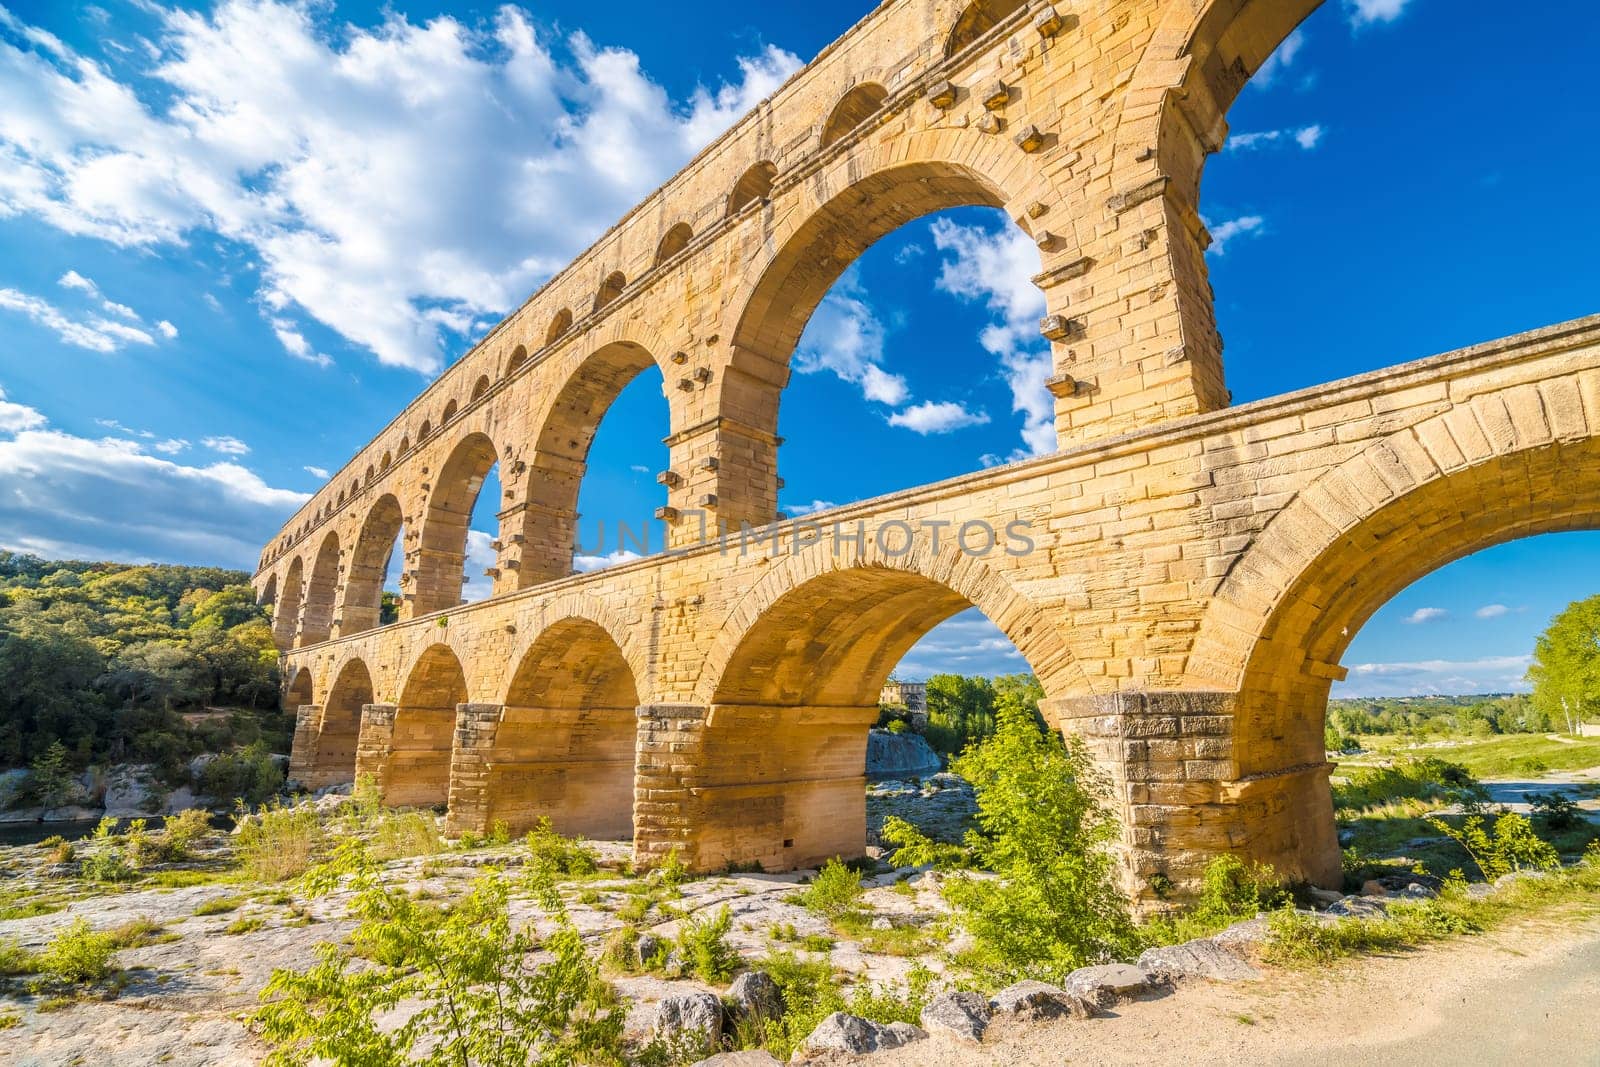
pixel 405 746
pixel 329 758
pixel 627 634
pixel 361 602
pixel 1502 466
pixel 560 745
pixel 286 613
pixel 322 591
pixel 442 551
pixel 298 689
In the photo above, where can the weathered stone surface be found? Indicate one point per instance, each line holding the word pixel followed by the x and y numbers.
pixel 842 1032
pixel 755 995
pixel 899 755
pixel 1040 1000
pixel 1107 983
pixel 747 1058
pixel 1201 958
pixel 692 1018
pixel 962 1015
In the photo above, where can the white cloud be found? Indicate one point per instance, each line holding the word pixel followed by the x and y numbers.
pixel 73 280
pixel 941 416
pixel 1307 137
pixel 14 418
pixel 227 444
pixel 480 556
pixel 639 468
pixel 294 342
pixel 316 472
pixel 584 563
pixel 1281 59
pixel 170 447
pixel 1424 615
pixel 337 155
pixel 1227 231
pixel 1490 674
pixel 95 334
pixel 998 268
pixel 166 329
pixel 68 496
pixel 1366 12
pixel 1492 611
pixel 845 337
pixel 796 511
pixel 966 643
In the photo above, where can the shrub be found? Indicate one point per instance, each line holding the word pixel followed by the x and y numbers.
pixel 15 960
pixel 278 842
pixel 481 999
pixel 1556 811
pixel 1229 892
pixel 1418 778
pixel 703 943
pixel 550 854
pixel 835 891
pixel 250 775
pixel 181 832
pixel 106 862
pixel 1510 846
pixel 1053 904
pixel 219 906
pixel 78 954
pixel 406 833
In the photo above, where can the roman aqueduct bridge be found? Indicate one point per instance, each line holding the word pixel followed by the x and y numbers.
pixel 1192 573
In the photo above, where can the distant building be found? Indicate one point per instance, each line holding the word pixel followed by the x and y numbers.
pixel 913 696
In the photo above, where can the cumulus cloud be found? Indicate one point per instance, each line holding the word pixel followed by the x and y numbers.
pixel 95 333
pixel 294 342
pixel 966 643
pixel 1366 12
pixel 480 557
pixel 1225 232
pixel 1492 611
pixel 997 268
pixel 584 562
pixel 941 416
pixel 1283 58
pixel 845 338
pixel 1490 674
pixel 316 472
pixel 1307 137
pixel 338 154
pixel 110 498
pixel 797 511
pixel 227 444
pixel 1423 615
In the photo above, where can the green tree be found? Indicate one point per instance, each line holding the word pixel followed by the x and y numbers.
pixel 1566 665
pixel 52 778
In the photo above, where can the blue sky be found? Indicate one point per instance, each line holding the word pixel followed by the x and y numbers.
pixel 236 238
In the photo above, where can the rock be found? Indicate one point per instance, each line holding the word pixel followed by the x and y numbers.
pixel 17 815
pixel 1039 1000
pixel 1418 891
pixel 690 1018
pixel 71 813
pixel 1518 876
pixel 899 755
pixel 198 765
pixel 1479 890
pixel 747 1058
pixel 1374 888
pixel 1246 934
pixel 648 948
pixel 1324 896
pixel 130 792
pixel 842 1032
pixel 1358 907
pixel 1107 983
pixel 962 1015
pixel 882 923
pixel 1201 958
pixel 12 785
pixel 755 995
pixel 179 800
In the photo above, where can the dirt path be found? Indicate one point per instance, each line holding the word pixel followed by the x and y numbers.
pixel 1528 995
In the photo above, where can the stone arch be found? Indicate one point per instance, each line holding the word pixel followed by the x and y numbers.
pixel 299 691
pixel 424 430
pixel 405 445
pixel 268 597
pixel 361 608
pixel 1281 619
pixel 519 356
pixel 556 466
pixel 442 549
pixel 406 748
pixel 322 591
pixel 480 387
pixel 753 185
pixel 332 755
pixel 977 19
pixel 562 746
pixel 675 240
pixel 854 108
pixel 558 326
pixel 387 459
pixel 286 618
pixel 450 409
pixel 610 289
pixel 793 682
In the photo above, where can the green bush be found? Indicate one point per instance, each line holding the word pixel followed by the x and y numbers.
pixel 1557 811
pixel 550 854
pixel 399 834
pixel 278 842
pixel 106 860
pixel 15 960
pixel 1510 846
pixel 181 832
pixel 1044 832
pixel 1413 778
pixel 834 892
pixel 1230 891
pixel 78 954
pixel 703 944
pixel 250 775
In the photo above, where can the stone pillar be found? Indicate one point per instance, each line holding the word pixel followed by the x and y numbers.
pixel 303 754
pixel 472 744
pixel 723 472
pixel 375 744
pixel 418 770
pixel 536 540
pixel 669 750
pixel 574 766
pixel 1177 789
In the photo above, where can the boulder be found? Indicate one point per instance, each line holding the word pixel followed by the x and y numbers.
pixel 130 792
pixel 693 1019
pixel 648 950
pixel 755 995
pixel 198 765
pixel 1201 958
pixel 179 800
pixel 1039 1000
pixel 13 784
pixel 1358 907
pixel 899 755
pixel 1324 896
pixel 843 1032
pixel 1107 983
pixel 961 1015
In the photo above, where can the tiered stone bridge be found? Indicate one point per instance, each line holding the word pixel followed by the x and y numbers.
pixel 1183 577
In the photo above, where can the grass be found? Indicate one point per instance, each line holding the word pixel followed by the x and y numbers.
pixel 279 843
pixel 219 906
pixel 9 1019
pixel 244 925
pixel 1507 756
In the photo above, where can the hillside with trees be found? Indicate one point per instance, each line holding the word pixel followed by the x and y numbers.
pixel 104 660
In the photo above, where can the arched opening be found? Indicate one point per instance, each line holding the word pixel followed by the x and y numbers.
pixel 854 108
pixel 785 745
pixel 563 748
pixel 674 241
pixel 405 445
pixel 442 554
pixel 424 430
pixel 755 184
pixel 299 691
pixel 610 289
pixel 408 753
pixel 333 759
pixel 370 562
pixel 286 617
pixel 560 464
pixel 977 19
pixel 558 326
pixel 449 412
pixel 384 463
pixel 515 363
pixel 269 592
pixel 322 590
pixel 480 387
